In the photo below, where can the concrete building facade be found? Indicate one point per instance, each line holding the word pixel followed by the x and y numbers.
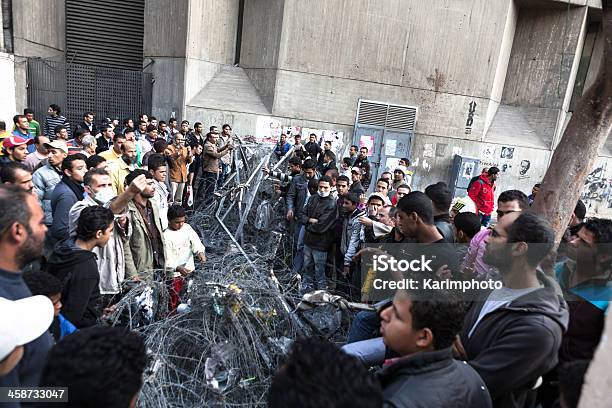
pixel 494 80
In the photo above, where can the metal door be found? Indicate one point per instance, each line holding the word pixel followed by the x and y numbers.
pixel 389 129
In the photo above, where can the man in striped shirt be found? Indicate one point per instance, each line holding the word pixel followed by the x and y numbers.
pixel 53 120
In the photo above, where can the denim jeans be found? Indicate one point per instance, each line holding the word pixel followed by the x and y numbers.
pixel 224 170
pixel 313 271
pixel 484 219
pixel 298 259
pixel 363 327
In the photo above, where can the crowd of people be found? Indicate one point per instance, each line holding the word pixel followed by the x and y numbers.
pixel 85 209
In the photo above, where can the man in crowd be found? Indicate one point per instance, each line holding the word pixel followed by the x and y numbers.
pixel 46 177
pixel 313 149
pixel 441 197
pixel 211 168
pixel 35 129
pixel 114 152
pixel 513 337
pixel 321 160
pixel 319 218
pixel 399 176
pixel 473 266
pixel 66 193
pixel 61 133
pixel 282 147
pixel 15 149
pixel 17 174
pixel 382 187
pixel 89 146
pixel 353 153
pixel 105 140
pixel 21 242
pixel 482 192
pixel 146 143
pixel 575 223
pixel 144 247
pixel 22 130
pixel 110 258
pixel 225 138
pixel 101 364
pixel 180 157
pixel 356 177
pixel 534 193
pixel 158 168
pixel 421 329
pixel 32 160
pixel 163 131
pixel 298 146
pixel 74 263
pixel 399 193
pixel 88 123
pixel 316 373
pixel 351 230
pixel 53 120
pixel 362 163
pixel 119 169
pixel 141 131
pixel 76 145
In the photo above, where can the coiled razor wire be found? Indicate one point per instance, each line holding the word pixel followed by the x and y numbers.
pixel 238 314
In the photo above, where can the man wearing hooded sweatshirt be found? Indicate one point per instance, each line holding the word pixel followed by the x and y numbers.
pixel 66 193
pixel 513 337
pixel 319 218
pixel 74 263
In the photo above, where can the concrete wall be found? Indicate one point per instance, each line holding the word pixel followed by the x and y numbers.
pixel 165 43
pixel 261 41
pixel 211 41
pixel 38 31
pixel 7 88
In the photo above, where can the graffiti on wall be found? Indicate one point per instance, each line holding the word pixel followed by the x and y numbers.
pixel 470 118
pixel 597 190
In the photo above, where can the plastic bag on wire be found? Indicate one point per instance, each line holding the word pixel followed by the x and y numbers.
pixel 264 215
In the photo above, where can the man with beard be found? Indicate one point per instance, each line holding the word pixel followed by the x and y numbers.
pixel 119 169
pixel 22 223
pixel 513 337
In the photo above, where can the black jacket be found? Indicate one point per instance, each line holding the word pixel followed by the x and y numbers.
pixel 296 193
pixel 357 188
pixel 78 270
pixel 516 344
pixel 443 224
pixel 319 236
pixel 313 149
pixel 103 144
pixel 365 166
pixel 432 379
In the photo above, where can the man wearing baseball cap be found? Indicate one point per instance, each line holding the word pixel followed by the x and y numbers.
pixel 21 322
pixel 15 148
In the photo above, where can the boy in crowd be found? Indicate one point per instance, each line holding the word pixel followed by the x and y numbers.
pixel 101 366
pixel 74 263
pixel 317 374
pixel 422 330
pixel 182 243
pixel 45 284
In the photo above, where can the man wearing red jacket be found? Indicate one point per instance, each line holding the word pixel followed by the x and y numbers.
pixel 482 192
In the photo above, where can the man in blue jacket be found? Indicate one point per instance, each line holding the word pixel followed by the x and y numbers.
pixel 282 147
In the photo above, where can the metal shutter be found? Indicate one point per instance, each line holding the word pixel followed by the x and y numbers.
pixel 107 33
pixel 386 115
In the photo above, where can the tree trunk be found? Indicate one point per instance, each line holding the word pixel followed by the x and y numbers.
pixel 586 132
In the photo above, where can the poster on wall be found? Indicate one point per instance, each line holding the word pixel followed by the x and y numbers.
pixel 391 147
pixel 367 141
pixel 391 164
pixel 268 130
pixel 336 138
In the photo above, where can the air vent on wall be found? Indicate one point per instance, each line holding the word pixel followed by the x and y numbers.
pixel 386 115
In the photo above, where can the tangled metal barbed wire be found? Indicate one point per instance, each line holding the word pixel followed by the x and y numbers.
pixel 238 315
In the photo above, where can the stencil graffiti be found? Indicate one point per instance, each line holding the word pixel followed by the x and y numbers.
pixel 525 166
pixel 507 152
pixel 470 119
pixel 598 188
